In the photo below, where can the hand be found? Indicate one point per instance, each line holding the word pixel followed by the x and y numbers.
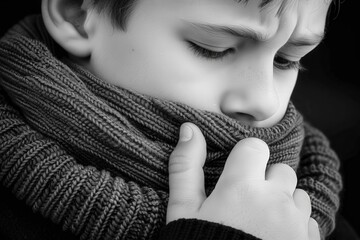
pixel 262 202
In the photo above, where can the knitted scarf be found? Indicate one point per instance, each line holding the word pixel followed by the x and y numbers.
pixel 93 157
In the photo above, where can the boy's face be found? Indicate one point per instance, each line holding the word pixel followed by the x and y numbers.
pixel 216 55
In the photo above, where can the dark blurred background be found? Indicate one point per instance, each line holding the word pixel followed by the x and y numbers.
pixel 328 95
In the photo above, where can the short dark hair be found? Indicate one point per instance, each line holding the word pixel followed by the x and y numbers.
pixel 119 11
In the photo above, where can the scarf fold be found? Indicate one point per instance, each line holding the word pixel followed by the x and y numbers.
pixel 93 157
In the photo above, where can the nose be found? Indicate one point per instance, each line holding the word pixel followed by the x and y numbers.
pixel 252 96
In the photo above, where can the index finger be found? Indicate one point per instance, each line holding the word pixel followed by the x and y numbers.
pixel 247 160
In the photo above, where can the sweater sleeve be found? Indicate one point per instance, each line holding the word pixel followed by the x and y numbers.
pixel 85 201
pixel 194 229
pixel 319 175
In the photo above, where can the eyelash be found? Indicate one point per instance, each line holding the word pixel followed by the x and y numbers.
pixel 208 54
pixel 279 62
pixel 285 64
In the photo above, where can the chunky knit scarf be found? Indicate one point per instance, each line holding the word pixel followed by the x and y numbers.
pixel 93 157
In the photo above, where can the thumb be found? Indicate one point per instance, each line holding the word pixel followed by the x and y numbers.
pixel 186 176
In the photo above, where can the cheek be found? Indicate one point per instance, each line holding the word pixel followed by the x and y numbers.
pixel 163 69
pixel 113 59
pixel 169 61
pixel 174 76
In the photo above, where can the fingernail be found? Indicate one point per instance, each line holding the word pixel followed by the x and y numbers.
pixel 186 133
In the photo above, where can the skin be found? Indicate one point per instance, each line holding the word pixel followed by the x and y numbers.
pixel 153 56
pixel 252 84
pixel 261 201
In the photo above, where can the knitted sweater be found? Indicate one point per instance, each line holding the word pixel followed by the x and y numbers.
pixel 93 157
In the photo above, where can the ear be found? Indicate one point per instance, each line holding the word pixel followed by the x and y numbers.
pixel 64 20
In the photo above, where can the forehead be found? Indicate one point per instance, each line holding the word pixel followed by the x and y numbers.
pixel 265 6
pixel 312 14
pixel 263 15
pixel 231 10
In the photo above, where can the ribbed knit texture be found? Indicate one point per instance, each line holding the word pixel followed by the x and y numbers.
pixel 93 157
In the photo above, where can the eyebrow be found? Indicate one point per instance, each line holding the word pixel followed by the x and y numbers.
pixel 245 32
pixel 236 31
pixel 313 39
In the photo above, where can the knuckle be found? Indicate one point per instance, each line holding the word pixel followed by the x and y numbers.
pixel 286 170
pixel 184 202
pixel 313 223
pixel 178 163
pixel 304 195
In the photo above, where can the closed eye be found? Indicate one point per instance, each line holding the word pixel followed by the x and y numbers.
pixel 284 64
pixel 280 62
pixel 207 53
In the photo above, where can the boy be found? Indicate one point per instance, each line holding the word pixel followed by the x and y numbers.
pixel 227 66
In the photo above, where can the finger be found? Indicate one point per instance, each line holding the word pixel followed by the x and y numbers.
pixel 247 160
pixel 283 176
pixel 186 176
pixel 302 201
pixel 314 232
